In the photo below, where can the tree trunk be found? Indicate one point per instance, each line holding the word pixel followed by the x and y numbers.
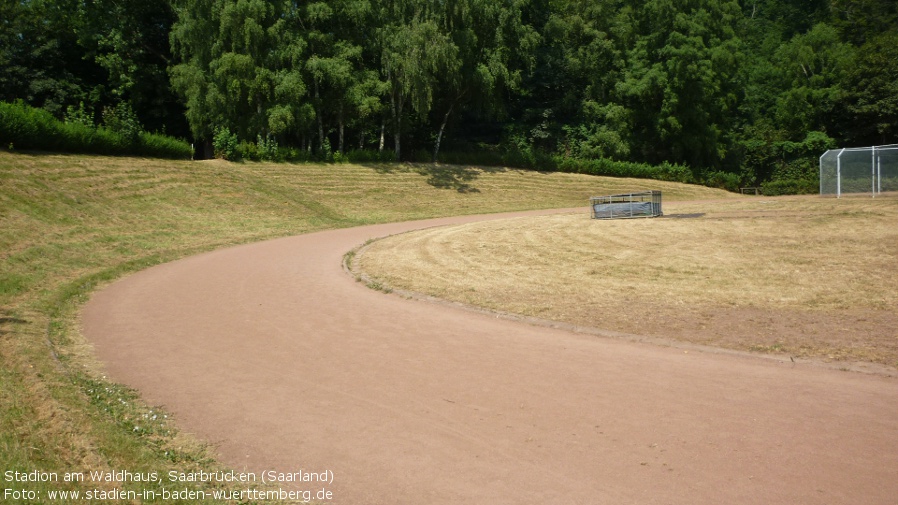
pixel 395 124
pixel 383 129
pixel 436 147
pixel 320 122
pixel 340 127
pixel 320 133
pixel 208 150
pixel 362 140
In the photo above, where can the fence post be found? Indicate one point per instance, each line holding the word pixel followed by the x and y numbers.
pixel 873 172
pixel 839 174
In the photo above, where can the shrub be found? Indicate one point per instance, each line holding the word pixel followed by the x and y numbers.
pixel 327 153
pixel 607 167
pixel 79 115
pixel 723 180
pixel 225 144
pixel 26 127
pixel 245 151
pixel 769 157
pixel 675 172
pixel 163 146
pixel 268 149
pixel 122 120
pixel 790 187
pixel 294 154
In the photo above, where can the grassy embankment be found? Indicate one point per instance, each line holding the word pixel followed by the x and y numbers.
pixel 69 224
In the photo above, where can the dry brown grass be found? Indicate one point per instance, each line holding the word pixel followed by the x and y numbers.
pixel 810 277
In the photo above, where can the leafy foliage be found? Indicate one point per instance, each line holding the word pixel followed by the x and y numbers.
pixel 25 127
pixel 790 187
pixel 122 120
pixel 226 144
pixel 873 91
pixel 722 87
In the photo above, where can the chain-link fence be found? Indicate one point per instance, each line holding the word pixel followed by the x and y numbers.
pixel 859 170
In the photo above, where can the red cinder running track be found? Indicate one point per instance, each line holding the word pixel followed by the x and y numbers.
pixel 274 354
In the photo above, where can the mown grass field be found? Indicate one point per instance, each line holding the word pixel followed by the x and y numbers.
pixel 69 224
pixel 806 277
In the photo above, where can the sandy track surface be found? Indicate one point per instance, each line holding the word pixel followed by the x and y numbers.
pixel 274 354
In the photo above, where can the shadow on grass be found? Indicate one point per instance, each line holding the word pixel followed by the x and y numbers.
pixel 451 177
pixel 381 168
pixel 457 177
pixel 9 320
pixel 685 216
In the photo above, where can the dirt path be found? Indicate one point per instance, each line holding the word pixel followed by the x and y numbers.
pixel 278 357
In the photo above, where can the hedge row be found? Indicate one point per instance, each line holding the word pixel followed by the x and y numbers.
pixel 26 127
pixel 790 187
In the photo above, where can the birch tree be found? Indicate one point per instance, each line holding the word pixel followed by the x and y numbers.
pixel 416 54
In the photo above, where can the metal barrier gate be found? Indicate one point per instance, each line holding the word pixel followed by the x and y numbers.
pixel 626 205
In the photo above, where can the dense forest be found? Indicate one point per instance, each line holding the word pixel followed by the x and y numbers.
pixel 750 90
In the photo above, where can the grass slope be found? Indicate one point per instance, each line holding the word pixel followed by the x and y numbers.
pixel 69 224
